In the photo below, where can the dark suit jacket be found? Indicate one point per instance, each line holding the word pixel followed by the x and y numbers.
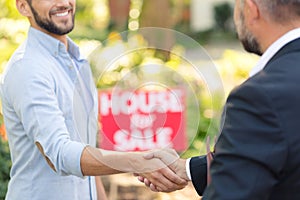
pixel 257 155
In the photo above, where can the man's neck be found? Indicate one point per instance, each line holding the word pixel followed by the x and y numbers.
pixel 62 38
pixel 275 32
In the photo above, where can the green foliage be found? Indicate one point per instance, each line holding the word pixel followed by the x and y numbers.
pixel 202 37
pixel 5 165
pixel 8 9
pixel 91 20
pixel 83 12
pixel 223 16
pixel 12 33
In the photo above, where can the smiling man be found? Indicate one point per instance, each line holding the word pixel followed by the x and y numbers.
pixel 50 109
pixel 56 21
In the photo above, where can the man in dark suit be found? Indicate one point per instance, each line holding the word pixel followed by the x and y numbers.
pixel 257 153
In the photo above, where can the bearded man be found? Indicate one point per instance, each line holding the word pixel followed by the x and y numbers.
pixel 257 153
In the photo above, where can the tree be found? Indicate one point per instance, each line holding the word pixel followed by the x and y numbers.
pixel 163 14
pixel 119 12
pixel 223 16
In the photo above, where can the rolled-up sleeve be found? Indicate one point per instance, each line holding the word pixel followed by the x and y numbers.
pixel 36 104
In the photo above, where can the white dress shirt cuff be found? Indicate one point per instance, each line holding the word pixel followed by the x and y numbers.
pixel 187 167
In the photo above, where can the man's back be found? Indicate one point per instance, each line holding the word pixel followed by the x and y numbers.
pixel 257 154
pixel 282 80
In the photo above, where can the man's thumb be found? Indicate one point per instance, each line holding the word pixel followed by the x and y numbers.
pixel 149 155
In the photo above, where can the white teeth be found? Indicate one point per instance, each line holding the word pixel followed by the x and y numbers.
pixel 62 14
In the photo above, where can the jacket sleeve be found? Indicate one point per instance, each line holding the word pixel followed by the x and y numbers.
pixel 251 150
pixel 198 169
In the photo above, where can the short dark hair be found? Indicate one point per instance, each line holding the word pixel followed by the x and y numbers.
pixel 29 1
pixel 281 10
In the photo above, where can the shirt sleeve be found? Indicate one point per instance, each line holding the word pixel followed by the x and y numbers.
pixel 36 104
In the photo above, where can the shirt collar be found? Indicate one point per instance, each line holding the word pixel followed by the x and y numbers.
pixel 54 46
pixel 274 48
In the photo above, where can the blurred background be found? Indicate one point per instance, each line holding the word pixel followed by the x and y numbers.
pixel 103 22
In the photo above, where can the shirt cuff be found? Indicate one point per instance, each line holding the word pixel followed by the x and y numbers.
pixel 187 167
pixel 72 155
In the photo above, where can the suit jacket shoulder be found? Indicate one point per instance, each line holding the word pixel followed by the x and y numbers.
pixel 257 152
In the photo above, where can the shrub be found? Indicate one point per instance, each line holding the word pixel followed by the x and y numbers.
pixel 5 165
pixel 223 16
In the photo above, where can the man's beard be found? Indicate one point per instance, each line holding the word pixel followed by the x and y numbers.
pixel 247 39
pixel 49 25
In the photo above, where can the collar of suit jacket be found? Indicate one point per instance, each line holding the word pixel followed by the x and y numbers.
pixel 274 48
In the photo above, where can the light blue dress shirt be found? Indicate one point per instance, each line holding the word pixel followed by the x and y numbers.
pixel 49 97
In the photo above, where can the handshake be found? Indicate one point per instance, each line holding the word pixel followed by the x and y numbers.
pixel 176 172
pixel 165 179
pixel 161 170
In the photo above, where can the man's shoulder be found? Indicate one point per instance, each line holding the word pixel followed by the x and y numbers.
pixel 28 54
pixel 18 54
pixel 286 60
pixel 280 78
pixel 24 62
pixel 25 51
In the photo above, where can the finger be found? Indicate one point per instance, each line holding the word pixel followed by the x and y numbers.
pixel 158 180
pixel 154 188
pixel 209 158
pixel 169 181
pixel 170 175
pixel 209 155
pixel 149 156
pixel 147 182
pixel 160 190
pixel 207 144
pixel 141 179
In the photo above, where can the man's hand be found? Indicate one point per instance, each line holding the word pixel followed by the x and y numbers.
pixel 177 166
pixel 164 180
pixel 96 162
pixel 209 158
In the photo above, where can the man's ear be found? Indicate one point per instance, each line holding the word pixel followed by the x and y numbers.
pixel 252 12
pixel 23 7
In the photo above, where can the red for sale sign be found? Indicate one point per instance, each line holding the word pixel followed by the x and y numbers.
pixel 142 120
